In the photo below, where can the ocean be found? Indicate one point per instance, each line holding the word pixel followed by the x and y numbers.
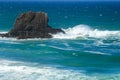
pixel 89 49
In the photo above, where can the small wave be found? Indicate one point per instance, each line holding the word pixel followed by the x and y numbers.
pixel 16 70
pixel 60 48
pixel 79 31
pixel 15 39
pixel 5 38
pixel 85 31
pixel 99 53
pixel 3 32
pixel 11 70
pixel 10 42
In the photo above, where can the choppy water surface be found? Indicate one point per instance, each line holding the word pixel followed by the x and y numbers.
pixel 89 50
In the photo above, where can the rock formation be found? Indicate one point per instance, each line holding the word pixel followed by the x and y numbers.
pixel 31 25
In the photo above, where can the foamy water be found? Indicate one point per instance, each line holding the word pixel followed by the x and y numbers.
pixel 80 31
pixel 85 31
pixel 16 70
pixel 83 53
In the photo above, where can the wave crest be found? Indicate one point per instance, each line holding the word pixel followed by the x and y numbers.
pixel 85 31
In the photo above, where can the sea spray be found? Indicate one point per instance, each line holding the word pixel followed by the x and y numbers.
pixel 85 31
pixel 80 57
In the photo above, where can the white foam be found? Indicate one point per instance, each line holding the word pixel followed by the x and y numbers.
pixel 16 70
pixel 84 31
pixel 60 48
pixel 79 31
pixel 15 39
pixel 96 52
pixel 3 32
pixel 9 70
pixel 9 42
pixel 5 38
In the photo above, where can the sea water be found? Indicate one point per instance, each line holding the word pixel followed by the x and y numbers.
pixel 89 49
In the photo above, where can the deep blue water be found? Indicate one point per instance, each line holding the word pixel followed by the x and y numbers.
pixel 90 49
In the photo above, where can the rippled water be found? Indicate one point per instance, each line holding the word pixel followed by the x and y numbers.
pixel 89 50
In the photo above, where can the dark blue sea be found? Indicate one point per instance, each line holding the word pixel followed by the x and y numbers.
pixel 89 49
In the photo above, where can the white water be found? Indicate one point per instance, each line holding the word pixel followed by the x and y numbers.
pixel 79 31
pixel 85 31
pixel 16 70
pixel 3 32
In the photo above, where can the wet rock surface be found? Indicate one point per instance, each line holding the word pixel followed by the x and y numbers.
pixel 32 25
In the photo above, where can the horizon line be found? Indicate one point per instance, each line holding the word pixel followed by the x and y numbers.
pixel 60 1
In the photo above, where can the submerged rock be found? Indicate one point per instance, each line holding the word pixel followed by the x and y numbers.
pixel 32 25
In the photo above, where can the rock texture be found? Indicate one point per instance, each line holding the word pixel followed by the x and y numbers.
pixel 32 25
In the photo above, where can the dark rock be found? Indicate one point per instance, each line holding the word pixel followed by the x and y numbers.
pixel 32 25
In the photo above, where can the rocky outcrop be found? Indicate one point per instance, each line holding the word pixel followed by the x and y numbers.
pixel 31 25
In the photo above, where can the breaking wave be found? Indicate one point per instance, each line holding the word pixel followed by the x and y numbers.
pixel 79 31
pixel 85 31
pixel 16 70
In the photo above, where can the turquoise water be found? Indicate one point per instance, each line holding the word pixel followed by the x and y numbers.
pixel 90 49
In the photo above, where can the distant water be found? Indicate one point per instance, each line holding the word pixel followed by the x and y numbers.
pixel 90 49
